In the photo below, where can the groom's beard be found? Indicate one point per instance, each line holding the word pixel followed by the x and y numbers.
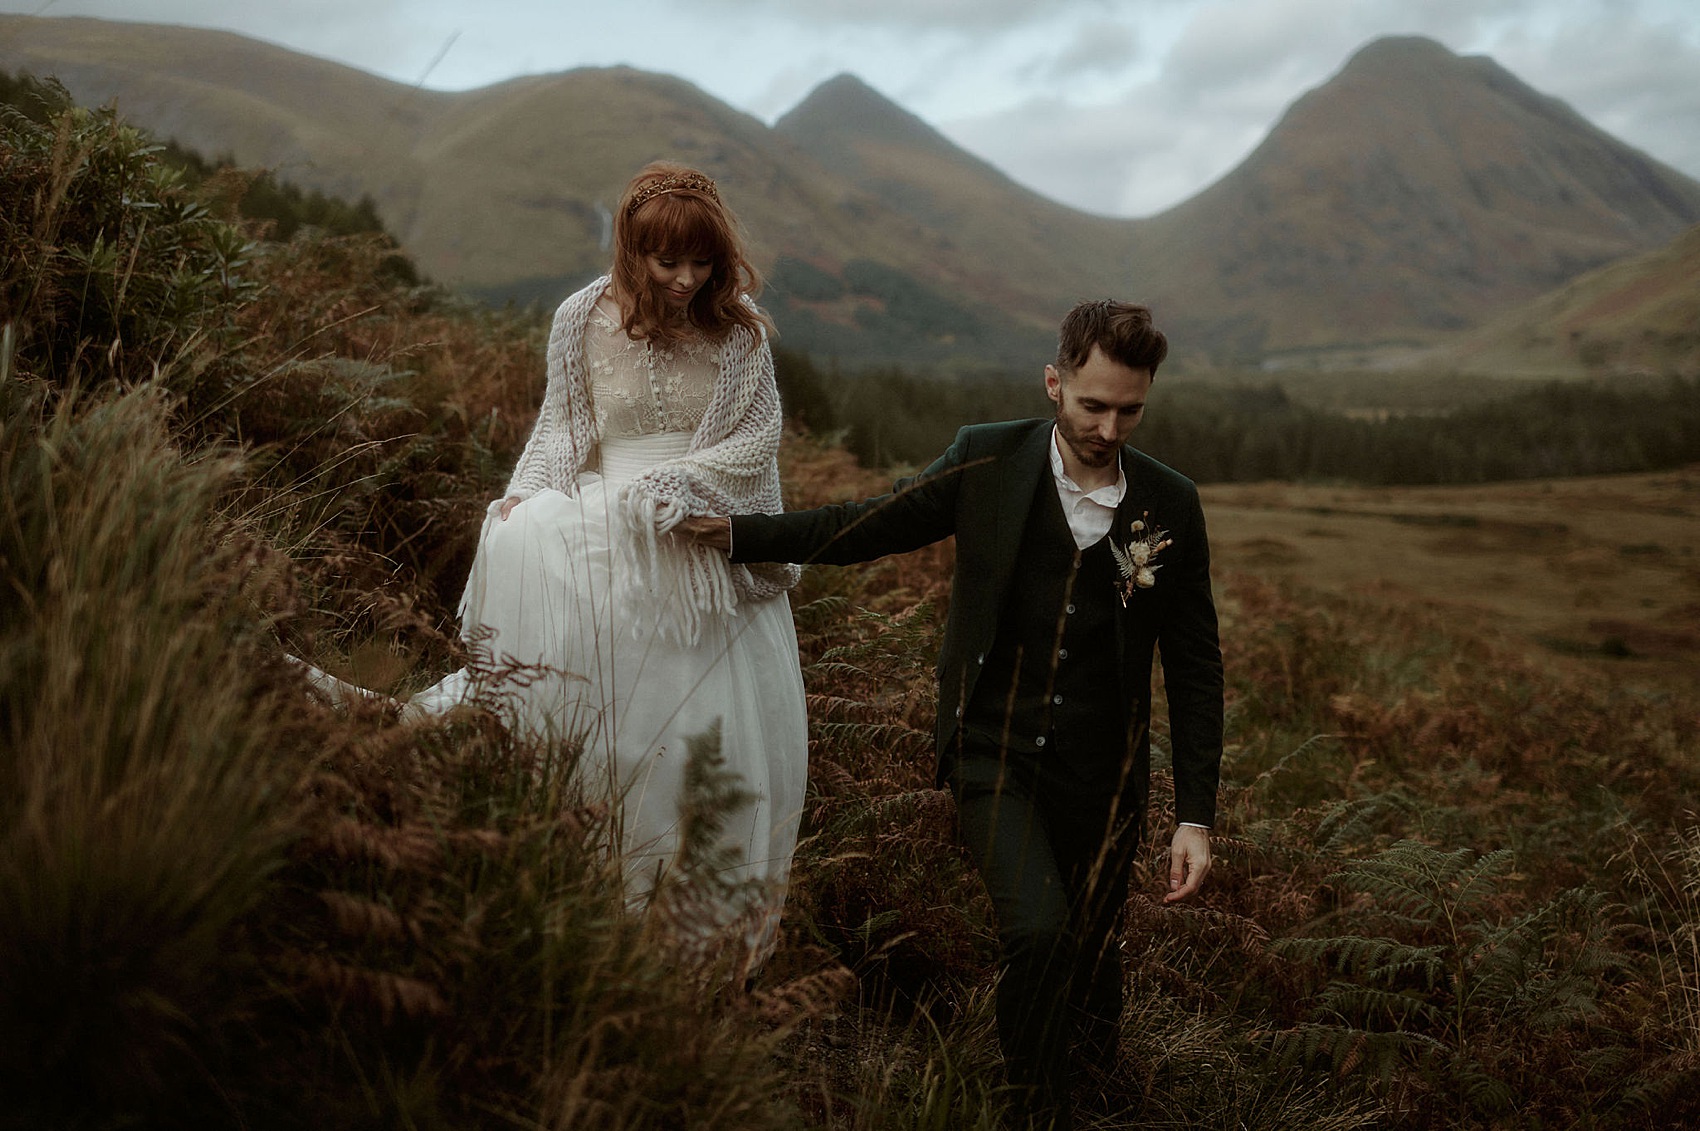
pixel 1086 448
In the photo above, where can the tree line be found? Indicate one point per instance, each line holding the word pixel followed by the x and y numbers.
pixel 1241 433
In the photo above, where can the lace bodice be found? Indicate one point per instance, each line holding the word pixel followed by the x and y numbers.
pixel 639 388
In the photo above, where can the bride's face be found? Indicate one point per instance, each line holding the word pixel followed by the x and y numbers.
pixel 678 277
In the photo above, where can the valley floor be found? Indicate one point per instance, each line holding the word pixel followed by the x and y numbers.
pixel 1603 572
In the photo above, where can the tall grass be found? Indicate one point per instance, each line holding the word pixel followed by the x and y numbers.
pixel 146 808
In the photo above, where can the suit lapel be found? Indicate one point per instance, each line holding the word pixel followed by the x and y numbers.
pixel 1121 532
pixel 1121 529
pixel 1018 480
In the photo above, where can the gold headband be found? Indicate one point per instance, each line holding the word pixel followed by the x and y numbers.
pixel 673 182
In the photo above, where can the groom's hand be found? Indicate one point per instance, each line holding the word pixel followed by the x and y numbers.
pixel 713 531
pixel 1189 862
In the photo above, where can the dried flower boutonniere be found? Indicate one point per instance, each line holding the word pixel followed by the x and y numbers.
pixel 1137 560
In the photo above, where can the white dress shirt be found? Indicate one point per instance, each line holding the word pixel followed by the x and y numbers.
pixel 1089 513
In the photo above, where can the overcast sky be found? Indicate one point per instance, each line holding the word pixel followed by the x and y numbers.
pixel 1121 107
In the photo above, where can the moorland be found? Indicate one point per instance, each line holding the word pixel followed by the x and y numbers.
pixel 1459 864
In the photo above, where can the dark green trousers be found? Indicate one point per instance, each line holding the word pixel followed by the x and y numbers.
pixel 1054 845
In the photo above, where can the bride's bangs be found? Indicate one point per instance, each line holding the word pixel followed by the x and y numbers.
pixel 678 224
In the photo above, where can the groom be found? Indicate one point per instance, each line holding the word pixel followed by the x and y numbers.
pixel 1077 557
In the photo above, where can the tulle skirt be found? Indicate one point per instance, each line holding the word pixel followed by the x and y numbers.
pixel 542 593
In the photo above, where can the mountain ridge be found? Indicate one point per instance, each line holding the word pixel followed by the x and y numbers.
pixel 1407 198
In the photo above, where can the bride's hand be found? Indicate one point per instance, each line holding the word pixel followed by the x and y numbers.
pixel 508 505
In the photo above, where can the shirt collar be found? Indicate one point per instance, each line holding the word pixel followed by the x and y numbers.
pixel 1110 496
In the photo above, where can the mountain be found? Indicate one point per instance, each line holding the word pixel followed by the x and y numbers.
pixel 892 155
pixel 1637 315
pixel 1410 196
pixel 1406 196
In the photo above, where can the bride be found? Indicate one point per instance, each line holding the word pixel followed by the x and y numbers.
pixel 660 404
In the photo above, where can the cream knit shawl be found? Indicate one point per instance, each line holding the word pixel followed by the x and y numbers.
pixel 731 467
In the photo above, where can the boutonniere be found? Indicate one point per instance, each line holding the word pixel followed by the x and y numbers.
pixel 1137 559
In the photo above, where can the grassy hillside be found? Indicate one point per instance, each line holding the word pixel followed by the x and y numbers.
pixel 316 123
pixel 1456 877
pixel 1638 315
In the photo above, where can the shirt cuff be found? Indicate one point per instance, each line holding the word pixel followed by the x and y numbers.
pixel 1193 825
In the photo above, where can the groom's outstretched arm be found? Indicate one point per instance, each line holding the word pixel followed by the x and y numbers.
pixel 916 512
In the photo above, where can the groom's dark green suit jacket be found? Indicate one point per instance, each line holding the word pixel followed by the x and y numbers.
pixel 981 490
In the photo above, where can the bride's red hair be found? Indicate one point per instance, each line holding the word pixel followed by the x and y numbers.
pixel 686 220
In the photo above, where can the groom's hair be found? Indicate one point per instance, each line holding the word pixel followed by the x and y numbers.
pixel 1122 330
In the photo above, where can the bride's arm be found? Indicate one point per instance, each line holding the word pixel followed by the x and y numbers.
pixel 562 435
pixel 741 467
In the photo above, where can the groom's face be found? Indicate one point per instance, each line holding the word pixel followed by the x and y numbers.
pixel 1098 406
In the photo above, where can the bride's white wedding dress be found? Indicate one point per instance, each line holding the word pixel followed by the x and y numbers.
pixel 545 590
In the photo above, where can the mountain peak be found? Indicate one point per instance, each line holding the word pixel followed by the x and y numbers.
pixel 1424 182
pixel 1399 70
pixel 1401 51
pixel 845 109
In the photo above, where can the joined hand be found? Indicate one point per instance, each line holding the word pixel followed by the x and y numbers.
pixel 713 531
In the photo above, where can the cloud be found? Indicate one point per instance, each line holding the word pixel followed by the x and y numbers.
pixel 1098 47
pixel 961 15
pixel 1174 123
pixel 1632 75
pixel 791 84
pixel 1130 157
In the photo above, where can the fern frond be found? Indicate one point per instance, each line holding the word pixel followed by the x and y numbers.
pixel 1346 1051
pixel 1398 1009
pixel 1377 958
pixel 1351 824
pixel 1486 1093
pixel 1424 882
pixel 868 732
